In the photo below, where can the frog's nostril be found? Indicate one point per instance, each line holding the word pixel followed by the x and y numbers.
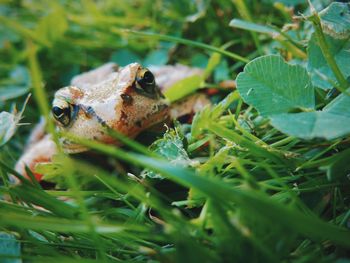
pixel 127 99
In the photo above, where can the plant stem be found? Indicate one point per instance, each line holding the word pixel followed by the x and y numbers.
pixel 245 14
pixel 342 82
pixel 182 41
pixel 283 141
pixel 38 88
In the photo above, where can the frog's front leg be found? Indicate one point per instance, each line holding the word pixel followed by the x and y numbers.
pixel 40 151
pixel 40 147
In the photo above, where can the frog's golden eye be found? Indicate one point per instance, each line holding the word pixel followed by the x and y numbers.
pixel 146 81
pixel 62 113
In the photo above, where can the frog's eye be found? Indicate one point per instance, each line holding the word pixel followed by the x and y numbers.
pixel 62 113
pixel 146 81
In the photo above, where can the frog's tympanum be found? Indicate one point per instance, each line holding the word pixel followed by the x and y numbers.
pixel 126 100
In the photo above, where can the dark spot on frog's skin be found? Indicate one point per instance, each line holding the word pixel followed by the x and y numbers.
pixel 115 68
pixel 138 123
pixel 127 99
pixel 88 111
pixel 162 107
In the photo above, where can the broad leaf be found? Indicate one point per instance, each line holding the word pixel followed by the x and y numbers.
pixel 53 26
pixel 340 167
pixel 10 248
pixel 272 86
pixel 222 72
pixel 123 57
pixel 11 92
pixel 321 74
pixel 286 2
pixel 330 123
pixel 156 58
pixel 16 85
pixel 335 20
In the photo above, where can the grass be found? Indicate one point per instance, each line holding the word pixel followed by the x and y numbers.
pixel 243 192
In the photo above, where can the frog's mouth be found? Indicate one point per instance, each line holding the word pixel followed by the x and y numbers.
pixel 72 147
pixel 112 133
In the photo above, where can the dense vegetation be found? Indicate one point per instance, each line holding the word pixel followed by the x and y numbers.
pixel 261 176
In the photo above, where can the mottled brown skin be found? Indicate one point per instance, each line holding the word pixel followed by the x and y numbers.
pixel 132 124
pixel 105 98
pixel 110 97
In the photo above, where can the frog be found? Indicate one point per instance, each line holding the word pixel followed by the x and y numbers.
pixel 126 99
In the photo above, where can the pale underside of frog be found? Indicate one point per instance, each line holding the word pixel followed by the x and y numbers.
pixel 124 99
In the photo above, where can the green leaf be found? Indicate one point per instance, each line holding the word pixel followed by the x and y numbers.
pixel 53 26
pixel 246 143
pixel 201 7
pixel 242 24
pixel 17 27
pixel 287 2
pixel 11 92
pixel 340 105
pixel 330 123
pixel 181 41
pixel 216 189
pixel 10 248
pixel 321 74
pixel 183 87
pixel 272 86
pixel 211 114
pixel 309 125
pixel 340 167
pixel 17 85
pixel 123 57
pixel 54 224
pixel 214 60
pixel 335 20
pixel 222 72
pixel 190 84
pixel 199 60
pixel 7 35
pixel 156 58
pixel 172 149
pixel 30 194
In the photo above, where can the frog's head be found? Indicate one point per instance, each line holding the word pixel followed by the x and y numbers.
pixel 127 101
